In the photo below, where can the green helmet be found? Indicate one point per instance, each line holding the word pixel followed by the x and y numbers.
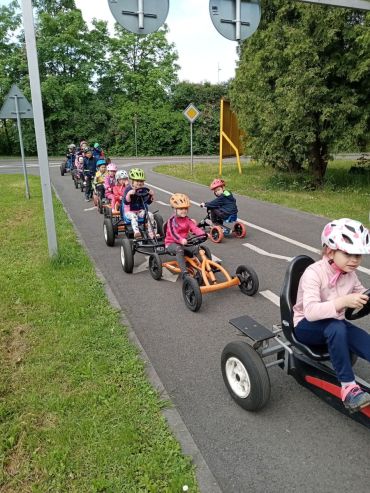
pixel 136 174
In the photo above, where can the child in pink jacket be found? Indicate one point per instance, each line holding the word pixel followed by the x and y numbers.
pixel 179 225
pixel 119 188
pixel 110 181
pixel 325 290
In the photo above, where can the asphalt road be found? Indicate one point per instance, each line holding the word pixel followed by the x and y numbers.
pixel 297 443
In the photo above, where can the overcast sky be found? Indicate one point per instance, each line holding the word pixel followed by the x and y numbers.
pixel 203 53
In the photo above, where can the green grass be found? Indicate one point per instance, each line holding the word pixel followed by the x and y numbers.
pixel 344 194
pixel 77 413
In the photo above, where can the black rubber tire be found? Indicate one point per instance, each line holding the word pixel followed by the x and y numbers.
pixel 108 231
pixel 127 256
pixel 216 234
pixel 62 169
pixel 191 294
pixel 245 376
pixel 249 282
pixel 155 266
pixel 159 222
pixel 76 183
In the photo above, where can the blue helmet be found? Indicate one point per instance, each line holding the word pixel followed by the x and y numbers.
pixel 100 162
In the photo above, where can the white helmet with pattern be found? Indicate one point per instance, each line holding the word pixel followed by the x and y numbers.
pixel 121 175
pixel 347 235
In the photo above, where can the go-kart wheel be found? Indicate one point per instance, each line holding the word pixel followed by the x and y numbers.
pixel 191 294
pixel 239 230
pixel 216 234
pixel 155 266
pixel 354 314
pixel 245 376
pixel 108 231
pixel 62 169
pixel 127 256
pixel 249 282
pixel 76 183
pixel 158 224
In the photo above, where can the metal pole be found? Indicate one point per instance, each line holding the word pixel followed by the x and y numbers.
pixel 191 147
pixel 135 131
pixel 141 13
pixel 42 152
pixel 21 146
pixel 237 20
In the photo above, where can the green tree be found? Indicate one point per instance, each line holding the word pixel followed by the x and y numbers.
pixel 301 85
pixel 12 69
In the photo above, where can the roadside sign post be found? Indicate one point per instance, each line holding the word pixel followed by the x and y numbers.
pixel 191 113
pixel 42 152
pixel 16 107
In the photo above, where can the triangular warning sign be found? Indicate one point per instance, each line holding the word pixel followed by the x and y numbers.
pixel 15 96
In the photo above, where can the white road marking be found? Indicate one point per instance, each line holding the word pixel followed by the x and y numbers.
pixel 90 209
pixel 271 296
pixel 162 203
pixel 268 254
pixel 216 259
pixel 271 233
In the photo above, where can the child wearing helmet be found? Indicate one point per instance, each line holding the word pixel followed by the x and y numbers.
pixel 133 204
pixel 110 181
pixel 119 188
pixel 179 225
pixel 224 205
pixel 99 180
pixel 89 173
pixel 71 156
pixel 325 290
pixel 97 151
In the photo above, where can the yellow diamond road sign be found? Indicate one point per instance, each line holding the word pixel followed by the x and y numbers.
pixel 191 113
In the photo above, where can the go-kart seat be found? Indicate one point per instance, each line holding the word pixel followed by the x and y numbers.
pixel 288 298
pixel 231 219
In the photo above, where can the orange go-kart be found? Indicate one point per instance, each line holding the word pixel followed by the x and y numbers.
pixel 205 275
pixel 231 227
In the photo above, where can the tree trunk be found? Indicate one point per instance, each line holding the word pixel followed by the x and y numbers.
pixel 318 162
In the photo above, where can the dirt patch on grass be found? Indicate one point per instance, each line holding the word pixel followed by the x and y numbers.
pixel 17 345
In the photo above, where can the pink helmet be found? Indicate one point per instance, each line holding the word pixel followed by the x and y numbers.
pixel 347 235
pixel 217 182
pixel 112 167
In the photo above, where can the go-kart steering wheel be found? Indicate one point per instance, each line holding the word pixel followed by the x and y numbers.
pixel 142 192
pixel 354 313
pixel 196 240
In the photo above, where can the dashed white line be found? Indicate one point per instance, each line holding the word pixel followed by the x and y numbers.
pixel 271 296
pixel 268 254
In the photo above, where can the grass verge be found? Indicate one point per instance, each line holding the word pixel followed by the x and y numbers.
pixel 343 195
pixel 77 413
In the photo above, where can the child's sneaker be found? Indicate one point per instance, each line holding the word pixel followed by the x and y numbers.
pixel 354 398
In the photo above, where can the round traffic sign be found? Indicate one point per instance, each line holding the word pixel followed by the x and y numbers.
pixel 224 15
pixel 139 16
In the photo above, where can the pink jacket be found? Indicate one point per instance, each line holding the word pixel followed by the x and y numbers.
pixel 178 228
pixel 109 183
pixel 315 294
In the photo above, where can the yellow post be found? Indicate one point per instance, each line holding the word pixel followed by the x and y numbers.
pixel 221 132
